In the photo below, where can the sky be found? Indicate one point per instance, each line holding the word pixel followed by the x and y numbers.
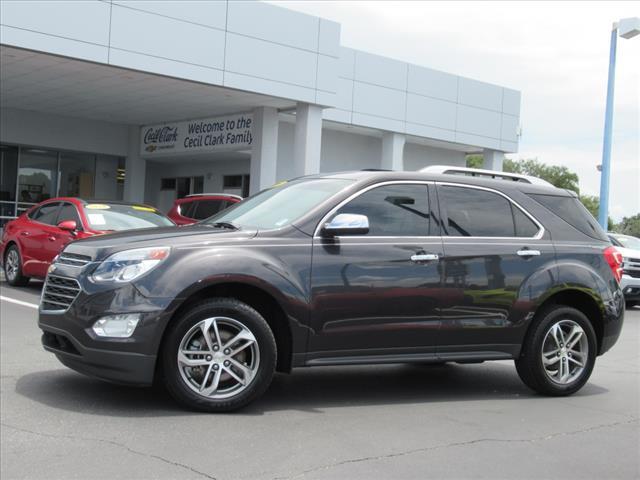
pixel 555 53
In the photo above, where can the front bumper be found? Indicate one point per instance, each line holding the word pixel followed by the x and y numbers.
pixel 630 287
pixel 68 333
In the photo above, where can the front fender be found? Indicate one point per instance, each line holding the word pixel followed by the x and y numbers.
pixel 282 272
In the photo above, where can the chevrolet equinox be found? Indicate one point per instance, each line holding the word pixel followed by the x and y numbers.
pixel 342 269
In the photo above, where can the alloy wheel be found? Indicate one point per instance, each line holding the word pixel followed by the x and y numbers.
pixel 565 352
pixel 218 357
pixel 12 264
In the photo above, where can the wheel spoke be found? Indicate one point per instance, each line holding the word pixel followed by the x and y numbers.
pixel 206 377
pixel 191 362
pixel 244 334
pixel 205 326
pixel 211 389
pixel 580 364
pixel 555 335
pixel 574 336
pixel 237 350
pixel 216 332
pixel 247 373
pixel 550 361
pixel 234 375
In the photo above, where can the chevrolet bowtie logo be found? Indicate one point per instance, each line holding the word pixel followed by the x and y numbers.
pixel 51 268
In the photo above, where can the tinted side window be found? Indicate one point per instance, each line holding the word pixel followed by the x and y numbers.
pixel 393 210
pixel 525 227
pixel 207 208
pixel 46 214
pixel 69 212
pixel 187 208
pixel 571 210
pixel 476 213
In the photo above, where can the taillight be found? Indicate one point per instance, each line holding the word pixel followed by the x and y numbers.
pixel 614 259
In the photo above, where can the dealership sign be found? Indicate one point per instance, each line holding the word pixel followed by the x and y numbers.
pixel 197 136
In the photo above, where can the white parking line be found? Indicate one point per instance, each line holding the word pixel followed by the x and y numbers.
pixel 19 302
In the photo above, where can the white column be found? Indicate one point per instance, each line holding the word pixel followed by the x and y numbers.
pixel 308 139
pixel 493 160
pixel 264 148
pixel 392 151
pixel 135 169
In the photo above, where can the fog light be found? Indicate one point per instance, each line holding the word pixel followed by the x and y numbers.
pixel 121 326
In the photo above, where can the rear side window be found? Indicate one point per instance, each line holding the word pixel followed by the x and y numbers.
pixel 46 214
pixel 471 212
pixel 207 208
pixel 187 208
pixel 571 210
pixel 393 210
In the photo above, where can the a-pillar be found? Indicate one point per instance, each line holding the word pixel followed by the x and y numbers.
pixel 135 169
pixel 392 151
pixel 264 149
pixel 493 160
pixel 308 140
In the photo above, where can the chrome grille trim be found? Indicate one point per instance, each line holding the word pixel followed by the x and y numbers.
pixel 73 259
pixel 58 293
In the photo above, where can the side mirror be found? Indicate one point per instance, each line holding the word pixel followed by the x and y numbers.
pixel 347 224
pixel 68 225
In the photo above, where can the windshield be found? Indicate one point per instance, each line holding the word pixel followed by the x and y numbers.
pixel 281 205
pixel 113 216
pixel 626 241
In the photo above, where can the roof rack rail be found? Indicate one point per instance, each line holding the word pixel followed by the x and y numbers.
pixel 482 173
pixel 214 194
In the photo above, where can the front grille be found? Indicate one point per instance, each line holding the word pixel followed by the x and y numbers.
pixel 73 259
pixel 633 260
pixel 632 273
pixel 59 293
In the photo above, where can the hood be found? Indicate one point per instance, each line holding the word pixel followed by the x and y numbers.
pixel 100 246
pixel 628 252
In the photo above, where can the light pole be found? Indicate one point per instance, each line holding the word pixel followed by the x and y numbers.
pixel 626 28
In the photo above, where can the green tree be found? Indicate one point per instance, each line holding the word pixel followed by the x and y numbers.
pixel 629 225
pixel 558 176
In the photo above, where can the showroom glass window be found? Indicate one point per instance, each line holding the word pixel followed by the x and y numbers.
pixel 37 177
pixel 77 173
pixel 8 175
pixel 471 212
pixel 393 210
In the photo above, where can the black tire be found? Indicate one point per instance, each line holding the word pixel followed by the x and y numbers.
pixel 16 279
pixel 249 318
pixel 631 304
pixel 530 366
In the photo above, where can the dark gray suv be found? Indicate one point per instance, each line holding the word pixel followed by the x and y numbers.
pixel 342 269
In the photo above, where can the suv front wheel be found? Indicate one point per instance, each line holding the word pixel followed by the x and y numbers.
pixel 559 352
pixel 219 356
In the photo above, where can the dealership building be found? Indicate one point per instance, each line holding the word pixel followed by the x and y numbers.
pixel 153 100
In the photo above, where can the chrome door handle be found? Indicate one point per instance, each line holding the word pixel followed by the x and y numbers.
pixel 424 257
pixel 52 239
pixel 528 253
pixel 24 233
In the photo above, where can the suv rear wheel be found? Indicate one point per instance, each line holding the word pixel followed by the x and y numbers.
pixel 559 352
pixel 220 356
pixel 13 268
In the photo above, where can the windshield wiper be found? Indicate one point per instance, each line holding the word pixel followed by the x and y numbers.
pixel 227 225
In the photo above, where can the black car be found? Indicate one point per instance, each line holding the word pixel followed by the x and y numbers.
pixel 342 269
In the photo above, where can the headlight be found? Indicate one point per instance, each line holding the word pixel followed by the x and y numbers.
pixel 128 265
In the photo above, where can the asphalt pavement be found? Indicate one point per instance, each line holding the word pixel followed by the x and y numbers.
pixel 392 421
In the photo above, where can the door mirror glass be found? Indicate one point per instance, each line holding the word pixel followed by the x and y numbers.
pixel 347 224
pixel 69 225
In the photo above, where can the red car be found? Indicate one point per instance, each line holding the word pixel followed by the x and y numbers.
pixel 31 241
pixel 193 208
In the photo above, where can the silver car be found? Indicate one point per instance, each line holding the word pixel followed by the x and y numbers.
pixel 630 248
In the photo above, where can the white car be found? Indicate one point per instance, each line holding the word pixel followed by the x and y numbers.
pixel 630 248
